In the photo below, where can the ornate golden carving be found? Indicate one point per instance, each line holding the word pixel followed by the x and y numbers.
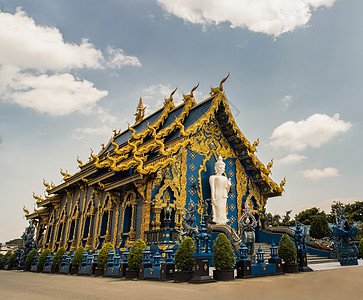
pixel 80 163
pixel 214 91
pixel 140 112
pixel 46 185
pixel 38 198
pixel 269 166
pixel 26 211
pixel 253 148
pixel 241 179
pixel 65 174
pixel 190 97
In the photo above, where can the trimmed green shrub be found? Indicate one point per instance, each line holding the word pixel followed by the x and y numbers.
pixel 77 257
pixel 103 255
pixel 29 259
pixel 223 255
pixel 287 250
pixel 319 227
pixel 135 256
pixel 360 246
pixel 184 260
pixel 4 258
pixel 58 257
pixel 11 260
pixel 42 258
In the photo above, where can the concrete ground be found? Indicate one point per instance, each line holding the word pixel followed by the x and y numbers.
pixel 340 283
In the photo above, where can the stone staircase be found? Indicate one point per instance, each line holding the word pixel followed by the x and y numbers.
pixel 312 259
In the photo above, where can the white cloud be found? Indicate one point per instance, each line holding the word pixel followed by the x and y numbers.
pixel 318 174
pixel 36 65
pixel 286 101
pixel 81 133
pixel 118 59
pixel 315 131
pixel 56 95
pixel 153 96
pixel 265 16
pixel 291 159
pixel 28 45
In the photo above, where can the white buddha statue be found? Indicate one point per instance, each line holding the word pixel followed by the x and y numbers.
pixel 219 186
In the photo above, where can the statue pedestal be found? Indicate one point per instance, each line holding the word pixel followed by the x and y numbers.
pixel 302 262
pixel 201 273
pixel 144 266
pixel 278 263
pixel 167 271
pixel 243 269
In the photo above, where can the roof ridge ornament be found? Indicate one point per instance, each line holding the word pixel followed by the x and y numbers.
pixel 140 112
pixel 79 162
pixel 190 97
pixel 169 101
pixel 216 90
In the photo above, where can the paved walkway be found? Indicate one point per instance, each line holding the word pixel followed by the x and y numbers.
pixel 332 265
pixel 339 283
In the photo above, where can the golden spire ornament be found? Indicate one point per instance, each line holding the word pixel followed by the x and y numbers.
pixel 140 112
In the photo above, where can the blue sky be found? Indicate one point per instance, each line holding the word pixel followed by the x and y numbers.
pixel 71 71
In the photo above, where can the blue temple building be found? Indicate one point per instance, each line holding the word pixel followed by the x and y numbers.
pixel 163 159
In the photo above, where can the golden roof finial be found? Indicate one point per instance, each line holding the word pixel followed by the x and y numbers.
pixel 46 185
pixel 25 210
pixel 140 111
pixel 80 162
pixel 253 148
pixel 191 95
pixel 282 184
pixel 170 99
pixel 38 198
pixel 65 174
pixel 269 166
pixel 219 88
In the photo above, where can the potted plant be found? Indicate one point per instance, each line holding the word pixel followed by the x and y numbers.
pixel 57 260
pixel 3 259
pixel 11 261
pixel 102 259
pixel 223 259
pixel 42 258
pixel 184 261
pixel 287 252
pixel 29 259
pixel 76 260
pixel 134 259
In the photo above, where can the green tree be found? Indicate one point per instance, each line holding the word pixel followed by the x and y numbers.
pixel 58 257
pixel 287 250
pixel 77 257
pixel 42 258
pixel 307 216
pixel 4 258
pixel 135 255
pixel 11 260
pixel 360 246
pixel 276 220
pixel 223 255
pixel 353 212
pixel 29 259
pixel 184 260
pixel 319 227
pixel 103 255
